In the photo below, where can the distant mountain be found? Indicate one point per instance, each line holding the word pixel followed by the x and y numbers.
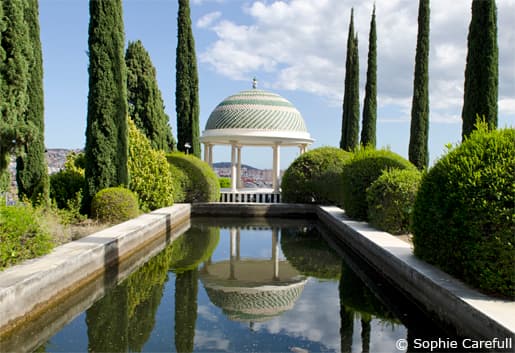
pixel 228 165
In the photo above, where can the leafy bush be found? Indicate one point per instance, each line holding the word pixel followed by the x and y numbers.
pixel 114 205
pixel 22 234
pixel 179 179
pixel 64 186
pixel 5 180
pixel 150 175
pixel 463 219
pixel 390 200
pixel 67 184
pixel 198 182
pixel 224 182
pixel 360 172
pixel 315 177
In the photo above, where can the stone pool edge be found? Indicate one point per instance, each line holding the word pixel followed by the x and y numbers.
pixel 30 286
pixel 472 313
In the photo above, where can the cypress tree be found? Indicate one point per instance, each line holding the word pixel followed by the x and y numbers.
pixel 481 71
pixel 350 118
pixel 146 107
pixel 15 131
pixel 418 143
pixel 368 130
pixel 31 167
pixel 106 149
pixel 186 90
pixel 186 289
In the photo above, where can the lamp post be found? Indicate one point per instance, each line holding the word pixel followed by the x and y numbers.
pixel 187 146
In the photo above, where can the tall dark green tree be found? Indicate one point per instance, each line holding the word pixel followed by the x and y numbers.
pixel 368 130
pixel 482 69
pixel 31 166
pixel 146 107
pixel 186 289
pixel 106 149
pixel 14 79
pixel 350 117
pixel 419 132
pixel 186 90
pixel 346 315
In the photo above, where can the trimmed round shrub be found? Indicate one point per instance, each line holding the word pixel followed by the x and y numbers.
pixel 365 166
pixel 114 205
pixel 150 175
pixel 179 179
pixel 390 200
pixel 22 234
pixel 315 177
pixel 198 182
pixel 463 217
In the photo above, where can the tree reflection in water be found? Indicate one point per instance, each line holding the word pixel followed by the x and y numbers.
pixel 306 249
pixel 125 317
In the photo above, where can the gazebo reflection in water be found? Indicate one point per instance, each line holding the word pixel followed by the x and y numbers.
pixel 252 290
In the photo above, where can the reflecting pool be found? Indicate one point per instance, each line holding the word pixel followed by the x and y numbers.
pixel 228 285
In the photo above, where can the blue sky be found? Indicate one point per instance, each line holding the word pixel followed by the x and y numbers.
pixel 295 48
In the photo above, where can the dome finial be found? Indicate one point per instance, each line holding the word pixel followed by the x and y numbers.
pixel 254 82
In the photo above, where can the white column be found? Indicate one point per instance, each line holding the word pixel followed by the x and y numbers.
pixel 210 154
pixel 275 252
pixel 238 236
pixel 232 261
pixel 233 168
pixel 238 174
pixel 276 169
pixel 206 153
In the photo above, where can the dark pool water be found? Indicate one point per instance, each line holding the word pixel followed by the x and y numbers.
pixel 263 286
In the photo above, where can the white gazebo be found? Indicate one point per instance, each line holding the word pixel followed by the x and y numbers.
pixel 254 118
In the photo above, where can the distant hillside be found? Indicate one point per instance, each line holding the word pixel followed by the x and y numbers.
pixel 228 165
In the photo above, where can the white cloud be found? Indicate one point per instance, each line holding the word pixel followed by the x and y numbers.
pixel 200 2
pixel 208 19
pixel 507 106
pixel 300 45
pixel 211 340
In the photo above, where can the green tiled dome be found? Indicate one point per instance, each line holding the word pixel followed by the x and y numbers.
pixel 256 110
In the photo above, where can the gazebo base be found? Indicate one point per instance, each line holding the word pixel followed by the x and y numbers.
pixel 250 195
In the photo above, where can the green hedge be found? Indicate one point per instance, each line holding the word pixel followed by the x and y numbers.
pixel 22 234
pixel 198 181
pixel 464 219
pixel 365 166
pixel 390 200
pixel 315 177
pixel 114 205
pixel 150 175
pixel 224 182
